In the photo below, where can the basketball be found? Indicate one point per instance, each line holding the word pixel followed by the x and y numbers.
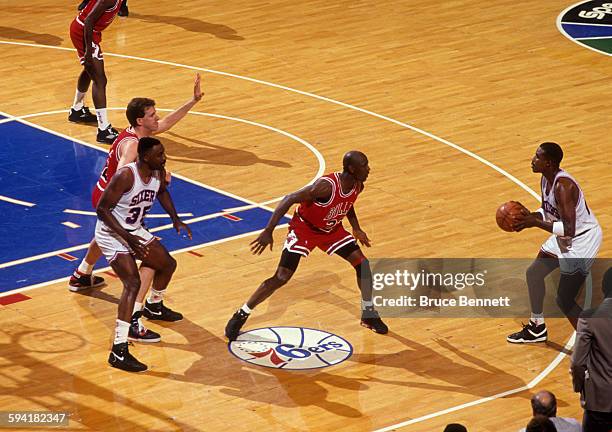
pixel 507 214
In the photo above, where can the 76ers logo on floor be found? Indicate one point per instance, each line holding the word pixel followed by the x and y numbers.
pixel 291 348
pixel 589 23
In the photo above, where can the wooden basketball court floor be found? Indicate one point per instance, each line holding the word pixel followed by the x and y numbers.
pixel 423 88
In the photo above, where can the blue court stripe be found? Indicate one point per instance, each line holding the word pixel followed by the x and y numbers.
pixel 586 31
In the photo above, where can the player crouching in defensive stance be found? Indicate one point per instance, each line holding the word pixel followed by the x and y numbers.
pixel 317 222
pixel 122 237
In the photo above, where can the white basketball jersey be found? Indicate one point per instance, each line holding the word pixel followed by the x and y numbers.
pixel 585 218
pixel 135 203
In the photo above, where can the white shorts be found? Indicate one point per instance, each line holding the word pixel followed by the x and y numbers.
pixel 112 245
pixel 582 253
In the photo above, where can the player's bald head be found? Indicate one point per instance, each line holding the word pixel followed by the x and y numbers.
pixel 353 158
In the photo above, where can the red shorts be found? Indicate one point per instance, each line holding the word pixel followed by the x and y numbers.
pixel 78 40
pixel 302 239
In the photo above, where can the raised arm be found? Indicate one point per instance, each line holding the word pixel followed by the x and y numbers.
pixel 171 119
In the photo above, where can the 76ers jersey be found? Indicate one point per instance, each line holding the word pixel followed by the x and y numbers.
pixel 135 203
pixel 327 216
pixel 105 19
pixel 585 219
pixel 114 155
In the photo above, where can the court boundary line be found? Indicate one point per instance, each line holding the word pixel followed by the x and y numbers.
pixel 469 153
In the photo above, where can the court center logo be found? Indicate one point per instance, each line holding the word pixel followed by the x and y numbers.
pixel 293 348
pixel 589 23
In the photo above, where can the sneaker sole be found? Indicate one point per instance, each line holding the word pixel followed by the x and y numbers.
pixel 372 328
pixel 144 340
pixel 83 121
pixel 519 341
pixel 116 366
pixel 83 288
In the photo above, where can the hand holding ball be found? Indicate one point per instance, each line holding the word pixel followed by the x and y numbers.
pixel 508 213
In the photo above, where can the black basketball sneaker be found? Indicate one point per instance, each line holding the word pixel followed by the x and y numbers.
pixel 232 329
pixel 529 334
pixel 159 312
pixel 138 333
pixel 81 281
pixel 121 358
pixel 370 319
pixel 82 115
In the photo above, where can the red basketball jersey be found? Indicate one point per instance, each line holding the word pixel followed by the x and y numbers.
pixel 104 21
pixel 114 155
pixel 327 216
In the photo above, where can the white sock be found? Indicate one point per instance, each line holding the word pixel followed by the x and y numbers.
pixel 121 332
pixel 537 319
pixel 156 296
pixel 102 118
pixel 79 99
pixel 137 307
pixel 85 267
pixel 366 304
pixel 247 310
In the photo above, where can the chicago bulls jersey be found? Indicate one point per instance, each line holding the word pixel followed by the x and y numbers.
pixel 135 203
pixel 105 19
pixel 585 219
pixel 327 216
pixel 114 155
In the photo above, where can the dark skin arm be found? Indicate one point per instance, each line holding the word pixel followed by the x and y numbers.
pixel 357 231
pixel 121 182
pixel 566 195
pixel 94 15
pixel 166 202
pixel 320 189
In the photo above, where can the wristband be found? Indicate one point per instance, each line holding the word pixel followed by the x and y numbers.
pixel 558 228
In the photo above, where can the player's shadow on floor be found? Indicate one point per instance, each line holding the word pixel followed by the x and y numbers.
pixel 48 387
pixel 25 35
pixel 217 367
pixel 474 378
pixel 194 25
pixel 203 152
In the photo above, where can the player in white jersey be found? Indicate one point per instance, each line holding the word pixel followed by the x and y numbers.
pixel 122 237
pixel 573 245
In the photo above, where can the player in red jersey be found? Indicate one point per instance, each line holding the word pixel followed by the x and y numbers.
pixel 317 222
pixel 144 122
pixel 123 10
pixel 86 35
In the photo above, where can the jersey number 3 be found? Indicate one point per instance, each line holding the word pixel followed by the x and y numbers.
pixel 135 214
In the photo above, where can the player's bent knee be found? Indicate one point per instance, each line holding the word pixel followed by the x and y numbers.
pixel 282 276
pixel 132 284
pixel 171 265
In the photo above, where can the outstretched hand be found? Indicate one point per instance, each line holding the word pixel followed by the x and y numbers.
pixel 362 237
pixel 261 242
pixel 178 225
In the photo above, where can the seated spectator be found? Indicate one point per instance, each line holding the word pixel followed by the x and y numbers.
pixel 540 423
pixel 544 403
